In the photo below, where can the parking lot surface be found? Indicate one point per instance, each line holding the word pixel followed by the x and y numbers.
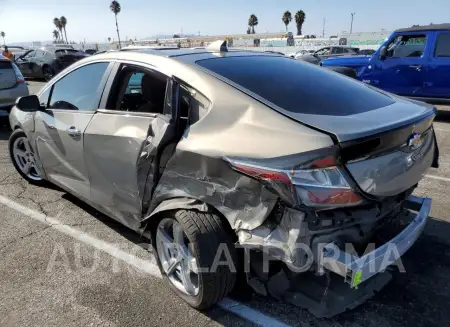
pixel 64 264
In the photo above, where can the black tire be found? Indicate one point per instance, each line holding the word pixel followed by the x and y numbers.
pixel 15 135
pixel 350 72
pixel 48 73
pixel 205 232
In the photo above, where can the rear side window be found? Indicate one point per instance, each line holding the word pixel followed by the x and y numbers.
pixel 443 45
pixel 78 90
pixel 298 87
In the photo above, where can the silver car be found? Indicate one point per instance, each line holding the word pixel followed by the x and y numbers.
pixel 12 84
pixel 236 165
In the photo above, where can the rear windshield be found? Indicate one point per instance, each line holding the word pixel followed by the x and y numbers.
pixel 5 64
pixel 296 86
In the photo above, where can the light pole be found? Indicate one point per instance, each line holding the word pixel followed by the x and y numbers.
pixel 351 24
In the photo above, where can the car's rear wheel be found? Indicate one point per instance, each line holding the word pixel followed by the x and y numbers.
pixel 48 73
pixel 191 249
pixel 23 157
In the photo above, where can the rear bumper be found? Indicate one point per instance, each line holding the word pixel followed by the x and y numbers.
pixel 357 270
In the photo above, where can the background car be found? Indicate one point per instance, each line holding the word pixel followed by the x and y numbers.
pixel 16 50
pixel 300 53
pixel 48 61
pixel 328 52
pixel 91 51
pixel 12 84
pixel 367 52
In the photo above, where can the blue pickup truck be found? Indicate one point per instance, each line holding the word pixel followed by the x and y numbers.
pixel 413 62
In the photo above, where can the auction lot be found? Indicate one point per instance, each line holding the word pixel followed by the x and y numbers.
pixel 55 275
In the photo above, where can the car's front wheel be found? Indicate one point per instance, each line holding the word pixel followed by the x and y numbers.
pixel 23 157
pixel 196 256
pixel 48 73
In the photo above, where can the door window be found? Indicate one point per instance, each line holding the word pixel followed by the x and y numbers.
pixel 80 89
pixel 442 46
pixel 324 51
pixel 29 55
pixel 406 46
pixel 337 50
pixel 139 91
pixel 39 53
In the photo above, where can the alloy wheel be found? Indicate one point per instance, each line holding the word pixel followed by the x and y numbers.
pixel 25 159
pixel 177 261
pixel 48 74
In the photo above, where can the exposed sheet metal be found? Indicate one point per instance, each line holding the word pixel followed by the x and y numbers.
pixel 285 241
pixel 243 201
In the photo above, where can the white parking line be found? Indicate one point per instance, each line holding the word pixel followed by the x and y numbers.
pixel 438 178
pixel 232 306
pixel 441 130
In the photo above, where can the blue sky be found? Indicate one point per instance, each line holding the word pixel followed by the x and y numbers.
pixel 31 20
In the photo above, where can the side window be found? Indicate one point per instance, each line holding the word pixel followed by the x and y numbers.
pixel 442 49
pixel 78 90
pixel 138 91
pixel 324 51
pixel 135 84
pixel 337 50
pixel 30 54
pixel 192 105
pixel 39 54
pixel 406 46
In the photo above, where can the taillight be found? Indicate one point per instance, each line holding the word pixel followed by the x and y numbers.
pixel 319 182
pixel 19 76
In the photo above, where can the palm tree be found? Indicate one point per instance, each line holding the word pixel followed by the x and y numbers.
pixel 299 20
pixel 58 25
pixel 287 18
pixel 63 21
pixel 252 22
pixel 115 8
pixel 2 34
pixel 56 35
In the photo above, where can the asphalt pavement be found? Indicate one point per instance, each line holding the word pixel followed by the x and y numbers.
pixel 64 264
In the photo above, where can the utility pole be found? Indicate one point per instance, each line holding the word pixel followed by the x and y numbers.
pixel 323 29
pixel 351 24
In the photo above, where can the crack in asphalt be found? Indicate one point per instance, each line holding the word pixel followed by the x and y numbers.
pixel 20 238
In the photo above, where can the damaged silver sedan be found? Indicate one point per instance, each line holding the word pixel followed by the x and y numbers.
pixel 237 164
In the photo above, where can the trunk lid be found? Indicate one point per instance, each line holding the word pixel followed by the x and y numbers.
pixel 8 76
pixel 390 163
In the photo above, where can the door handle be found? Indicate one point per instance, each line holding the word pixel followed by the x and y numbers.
pixel 416 67
pixel 72 131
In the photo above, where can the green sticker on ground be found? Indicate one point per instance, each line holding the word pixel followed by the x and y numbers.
pixel 357 279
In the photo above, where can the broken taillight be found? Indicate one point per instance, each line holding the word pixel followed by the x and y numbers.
pixel 319 182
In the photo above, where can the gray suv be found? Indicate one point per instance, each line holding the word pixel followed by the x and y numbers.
pixel 12 84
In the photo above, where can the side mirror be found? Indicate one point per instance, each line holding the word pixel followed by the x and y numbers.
pixel 29 103
pixel 383 52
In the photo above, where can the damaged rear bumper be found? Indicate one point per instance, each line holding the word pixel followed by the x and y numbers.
pixel 356 270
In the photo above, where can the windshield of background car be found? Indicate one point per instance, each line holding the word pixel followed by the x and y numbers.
pixel 296 86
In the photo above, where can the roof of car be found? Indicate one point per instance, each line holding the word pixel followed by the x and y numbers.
pixel 187 55
pixel 53 49
pixel 433 27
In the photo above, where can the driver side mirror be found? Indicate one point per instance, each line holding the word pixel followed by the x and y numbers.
pixel 383 52
pixel 29 103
